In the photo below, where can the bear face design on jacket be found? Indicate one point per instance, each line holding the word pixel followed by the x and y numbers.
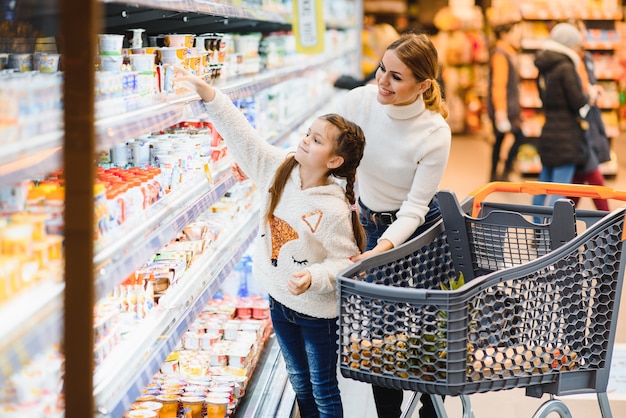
pixel 282 233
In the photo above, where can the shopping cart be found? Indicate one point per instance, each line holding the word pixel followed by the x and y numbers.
pixel 538 309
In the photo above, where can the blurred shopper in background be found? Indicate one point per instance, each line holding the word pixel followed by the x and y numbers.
pixel 562 144
pixel 503 104
pixel 375 40
pixel 597 139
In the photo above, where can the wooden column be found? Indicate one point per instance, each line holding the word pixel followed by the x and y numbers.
pixel 80 24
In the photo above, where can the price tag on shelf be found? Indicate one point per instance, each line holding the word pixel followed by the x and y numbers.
pixel 207 173
pixel 308 26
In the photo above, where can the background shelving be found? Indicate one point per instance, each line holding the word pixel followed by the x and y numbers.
pixel 464 55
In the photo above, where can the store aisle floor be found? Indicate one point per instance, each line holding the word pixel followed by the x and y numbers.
pixel 467 170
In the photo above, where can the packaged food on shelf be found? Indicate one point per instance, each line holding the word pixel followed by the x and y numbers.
pixel 31 105
pixel 46 62
pixel 36 390
pixel 110 44
pixel 213 360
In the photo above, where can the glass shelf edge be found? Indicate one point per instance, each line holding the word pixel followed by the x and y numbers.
pixel 34 326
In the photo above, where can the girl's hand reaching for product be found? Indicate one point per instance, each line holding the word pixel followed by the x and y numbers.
pixel 300 283
pixel 195 83
pixel 237 172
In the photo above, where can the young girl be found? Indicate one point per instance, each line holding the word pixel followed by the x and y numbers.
pixel 308 234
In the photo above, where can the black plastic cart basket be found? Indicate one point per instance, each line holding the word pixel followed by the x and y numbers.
pixel 538 309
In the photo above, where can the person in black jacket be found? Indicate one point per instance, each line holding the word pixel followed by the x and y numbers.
pixel 562 145
pixel 597 138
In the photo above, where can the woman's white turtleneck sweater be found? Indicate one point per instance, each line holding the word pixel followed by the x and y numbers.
pixel 406 153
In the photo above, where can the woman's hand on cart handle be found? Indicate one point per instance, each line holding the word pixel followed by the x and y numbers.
pixel 382 246
pixel 237 172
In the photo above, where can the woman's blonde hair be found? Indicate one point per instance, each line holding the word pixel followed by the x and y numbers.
pixel 418 53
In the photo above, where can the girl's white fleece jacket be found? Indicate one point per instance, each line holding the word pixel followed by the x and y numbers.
pixel 311 228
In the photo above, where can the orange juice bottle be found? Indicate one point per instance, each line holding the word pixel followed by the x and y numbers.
pixel 170 405
pixel 193 406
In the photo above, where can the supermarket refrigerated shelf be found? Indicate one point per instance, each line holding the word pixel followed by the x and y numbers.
pixel 125 373
pixel 183 300
pixel 120 257
pixel 27 159
pixel 32 322
pixel 116 129
pixel 35 156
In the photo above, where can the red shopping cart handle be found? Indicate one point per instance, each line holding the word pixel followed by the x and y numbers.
pixel 538 188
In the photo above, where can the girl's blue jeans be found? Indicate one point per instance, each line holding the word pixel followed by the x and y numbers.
pixel 309 347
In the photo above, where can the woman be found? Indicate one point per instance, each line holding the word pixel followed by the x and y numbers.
pixel 596 136
pixel 408 144
pixel 562 144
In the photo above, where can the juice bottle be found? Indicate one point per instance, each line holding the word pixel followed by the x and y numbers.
pixel 170 405
pixel 216 406
pixel 193 406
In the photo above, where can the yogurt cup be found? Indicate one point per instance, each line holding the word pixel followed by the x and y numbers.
pixel 111 62
pixel 193 406
pixel 142 62
pixel 48 63
pixel 194 65
pixel 179 40
pixel 21 62
pixel 170 405
pixel 172 55
pixel 140 153
pixel 110 44
pixel 148 406
pixel 216 406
